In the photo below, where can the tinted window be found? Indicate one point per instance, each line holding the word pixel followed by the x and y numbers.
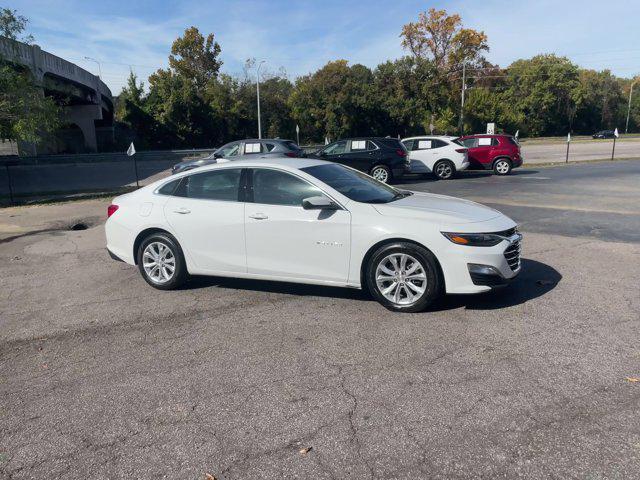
pixel 353 184
pixel 470 142
pixel 274 187
pixel 408 144
pixel 220 184
pixel 336 148
pixel 169 188
pixel 291 145
pixel 513 141
pixel 438 144
pixel 269 146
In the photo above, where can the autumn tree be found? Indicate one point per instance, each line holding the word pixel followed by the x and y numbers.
pixel 441 37
pixel 195 57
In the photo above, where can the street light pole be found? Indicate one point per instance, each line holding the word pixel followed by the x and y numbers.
pixel 258 95
pixel 464 80
pixel 626 128
pixel 99 66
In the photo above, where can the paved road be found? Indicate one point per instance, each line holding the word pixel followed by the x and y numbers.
pixel 104 377
pixel 535 152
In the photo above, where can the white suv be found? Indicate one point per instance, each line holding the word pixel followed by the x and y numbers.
pixel 441 155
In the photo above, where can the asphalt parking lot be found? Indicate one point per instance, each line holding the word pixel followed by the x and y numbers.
pixel 104 377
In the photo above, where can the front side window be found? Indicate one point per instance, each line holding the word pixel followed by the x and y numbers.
pixel 336 148
pixel 229 150
pixel 470 142
pixel 222 184
pixel 274 187
pixel 354 184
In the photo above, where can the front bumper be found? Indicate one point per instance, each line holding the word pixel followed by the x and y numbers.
pixel 502 261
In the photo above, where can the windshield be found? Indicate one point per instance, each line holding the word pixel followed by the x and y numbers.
pixel 355 185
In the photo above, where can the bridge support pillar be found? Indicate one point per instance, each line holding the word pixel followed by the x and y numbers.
pixel 83 116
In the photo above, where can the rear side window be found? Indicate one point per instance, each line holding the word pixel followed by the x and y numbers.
pixel 408 144
pixel 169 188
pixel 362 145
pixel 223 184
pixel 424 145
pixel 254 147
pixel 269 146
pixel 291 145
pixel 273 187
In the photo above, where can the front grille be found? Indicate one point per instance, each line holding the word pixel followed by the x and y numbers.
pixel 512 255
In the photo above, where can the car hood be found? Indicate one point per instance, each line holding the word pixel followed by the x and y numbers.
pixel 438 208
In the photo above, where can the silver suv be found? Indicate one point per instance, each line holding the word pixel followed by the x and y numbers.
pixel 245 150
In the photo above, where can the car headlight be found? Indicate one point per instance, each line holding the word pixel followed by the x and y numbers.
pixel 474 239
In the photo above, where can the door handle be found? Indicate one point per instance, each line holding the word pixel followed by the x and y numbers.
pixel 258 216
pixel 182 211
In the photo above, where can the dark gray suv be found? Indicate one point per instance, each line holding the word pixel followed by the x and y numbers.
pixel 244 150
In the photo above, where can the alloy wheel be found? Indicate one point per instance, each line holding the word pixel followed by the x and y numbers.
pixel 380 174
pixel 159 262
pixel 502 167
pixel 444 170
pixel 401 279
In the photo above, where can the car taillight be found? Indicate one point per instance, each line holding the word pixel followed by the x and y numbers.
pixel 461 150
pixel 401 152
pixel 291 154
pixel 111 209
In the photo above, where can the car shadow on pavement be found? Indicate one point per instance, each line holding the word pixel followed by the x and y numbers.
pixel 535 280
pixel 470 174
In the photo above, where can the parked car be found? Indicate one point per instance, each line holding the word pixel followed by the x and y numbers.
pixel 385 159
pixel 442 156
pixel 244 149
pixel 500 153
pixel 316 222
pixel 604 134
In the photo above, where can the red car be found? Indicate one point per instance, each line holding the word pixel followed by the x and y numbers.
pixel 500 153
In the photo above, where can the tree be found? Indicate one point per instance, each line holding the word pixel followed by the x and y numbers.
pixel 440 37
pixel 12 25
pixel 25 113
pixel 195 57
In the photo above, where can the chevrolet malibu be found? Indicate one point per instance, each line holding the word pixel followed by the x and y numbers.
pixel 311 221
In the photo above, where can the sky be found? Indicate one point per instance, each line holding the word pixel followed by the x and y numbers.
pixel 300 36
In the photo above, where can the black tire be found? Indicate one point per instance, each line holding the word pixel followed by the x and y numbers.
pixel 502 166
pixel 433 280
pixel 383 172
pixel 444 169
pixel 179 275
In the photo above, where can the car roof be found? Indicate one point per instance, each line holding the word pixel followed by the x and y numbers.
pixel 275 161
pixel 436 137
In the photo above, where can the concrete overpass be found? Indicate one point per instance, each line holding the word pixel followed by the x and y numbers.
pixel 87 101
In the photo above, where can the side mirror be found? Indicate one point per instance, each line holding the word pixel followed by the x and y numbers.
pixel 319 203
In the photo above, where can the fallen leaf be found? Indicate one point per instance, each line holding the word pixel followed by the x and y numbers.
pixel 304 451
pixel 208 476
pixel 632 379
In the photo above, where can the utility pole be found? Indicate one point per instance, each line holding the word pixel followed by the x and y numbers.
pixel 464 81
pixel 258 95
pixel 626 128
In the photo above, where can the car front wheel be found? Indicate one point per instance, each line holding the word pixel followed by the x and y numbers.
pixel 404 277
pixel 502 167
pixel 381 173
pixel 161 262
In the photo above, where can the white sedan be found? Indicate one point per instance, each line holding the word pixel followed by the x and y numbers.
pixel 311 221
pixel 439 155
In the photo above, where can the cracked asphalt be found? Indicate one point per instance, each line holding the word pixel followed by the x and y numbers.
pixel 103 377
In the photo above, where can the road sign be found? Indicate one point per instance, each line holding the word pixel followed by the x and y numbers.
pixel 491 128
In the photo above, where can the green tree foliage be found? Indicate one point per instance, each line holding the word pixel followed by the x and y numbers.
pixel 195 57
pixel 25 113
pixel 12 25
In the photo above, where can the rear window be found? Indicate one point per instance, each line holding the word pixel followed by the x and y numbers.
pixel 513 141
pixel 291 145
pixel 392 143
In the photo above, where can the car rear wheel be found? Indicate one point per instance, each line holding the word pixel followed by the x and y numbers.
pixel 403 277
pixel 381 173
pixel 502 166
pixel 161 262
pixel 444 169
